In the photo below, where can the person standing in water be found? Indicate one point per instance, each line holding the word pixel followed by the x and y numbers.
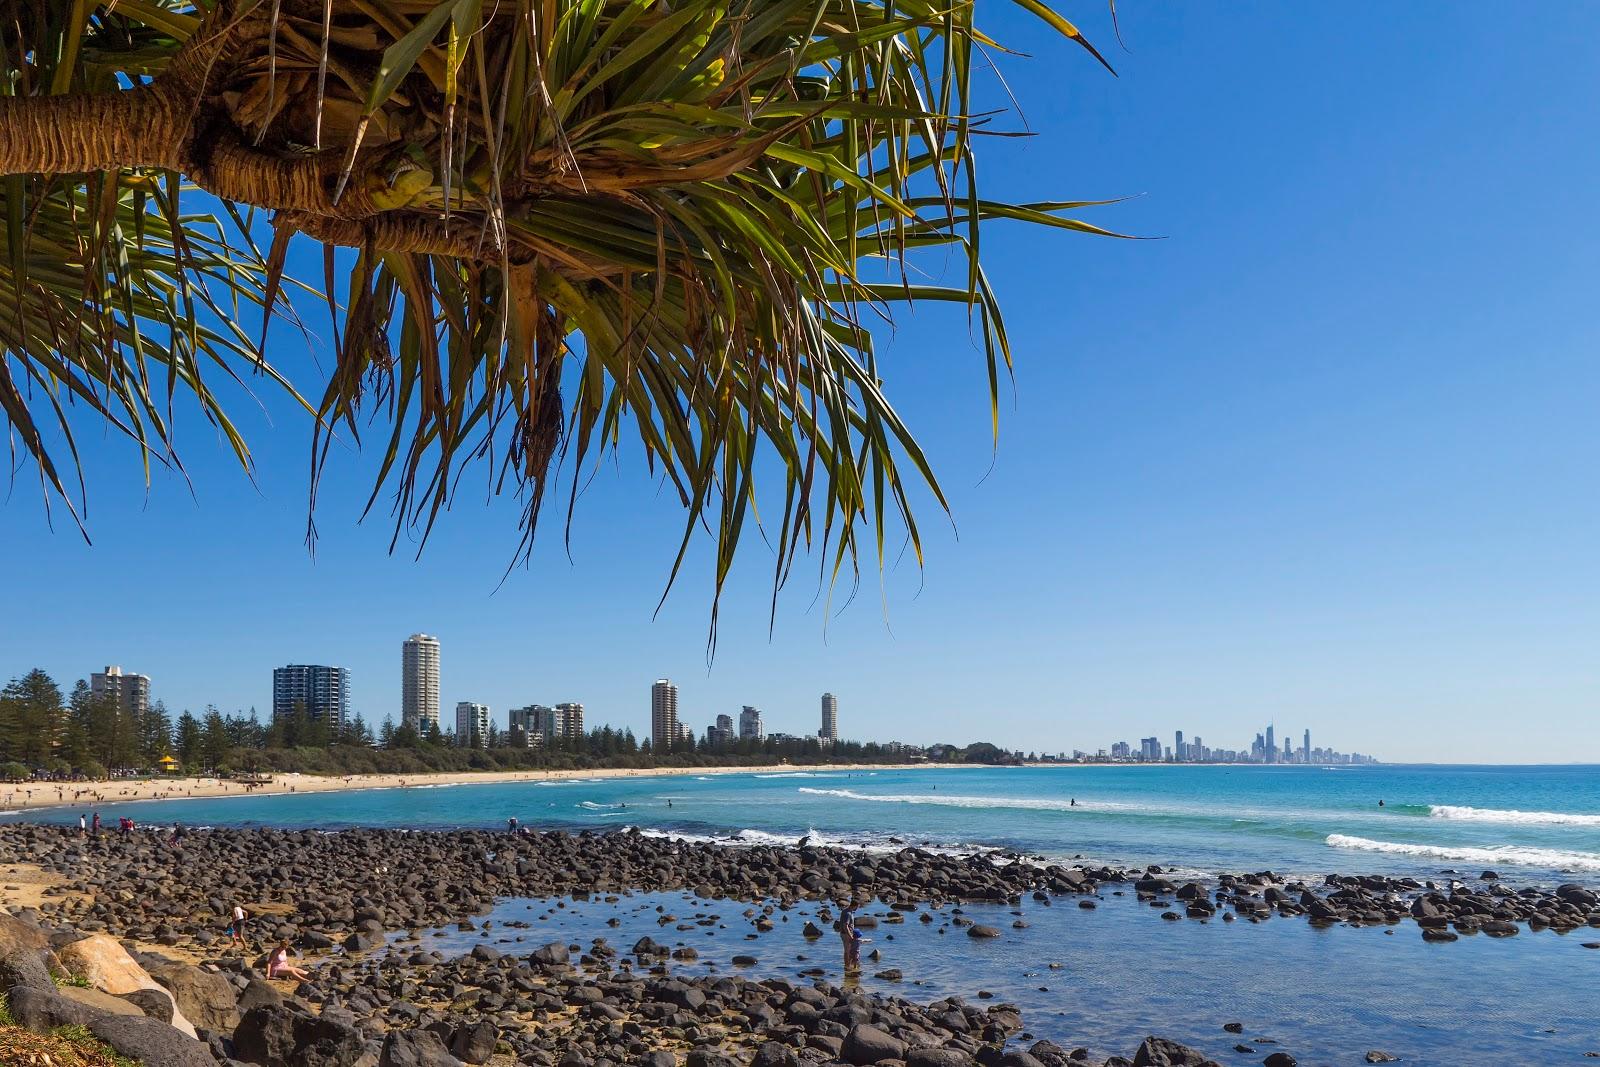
pixel 850 936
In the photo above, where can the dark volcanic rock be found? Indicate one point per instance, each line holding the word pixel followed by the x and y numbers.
pixel 866 1045
pixel 151 1041
pixel 1159 1052
pixel 415 1048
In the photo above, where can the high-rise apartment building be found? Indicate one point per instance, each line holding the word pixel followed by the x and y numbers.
pixel 1305 748
pixel 664 734
pixel 472 724
pixel 130 691
pixel 569 721
pixel 1271 753
pixel 419 682
pixel 323 691
pixel 721 733
pixel 750 724
pixel 529 725
pixel 830 718
pixel 1178 748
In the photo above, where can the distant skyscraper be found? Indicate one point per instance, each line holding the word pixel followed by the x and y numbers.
pixel 830 718
pixel 130 691
pixel 472 724
pixel 750 724
pixel 1305 748
pixel 419 682
pixel 323 691
pixel 529 727
pixel 569 721
pixel 1178 750
pixel 664 734
pixel 722 732
pixel 1271 754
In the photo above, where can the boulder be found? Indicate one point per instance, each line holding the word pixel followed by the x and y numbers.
pixel 474 1042
pixel 280 1036
pixel 866 1044
pixel 709 1057
pixel 154 1003
pixel 415 1048
pixel 554 954
pixel 979 930
pixel 23 966
pixel 18 933
pixel 1279 1059
pixel 105 964
pixel 1379 1056
pixel 937 1057
pixel 1159 1052
pixel 772 1054
pixel 150 1041
pixel 206 998
pixel 97 1001
pixel 42 1010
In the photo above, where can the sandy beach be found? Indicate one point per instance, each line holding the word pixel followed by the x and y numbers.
pixel 31 795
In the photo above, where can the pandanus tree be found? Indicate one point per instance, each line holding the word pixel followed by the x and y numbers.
pixel 551 228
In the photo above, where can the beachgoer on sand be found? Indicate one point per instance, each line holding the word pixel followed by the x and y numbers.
pixel 278 965
pixel 236 927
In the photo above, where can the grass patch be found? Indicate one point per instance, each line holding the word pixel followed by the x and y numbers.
pixel 5 1012
pixel 71 979
pixel 66 1046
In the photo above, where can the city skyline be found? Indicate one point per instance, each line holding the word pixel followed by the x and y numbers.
pixel 536 724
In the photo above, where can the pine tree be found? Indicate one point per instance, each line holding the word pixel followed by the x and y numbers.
pixel 214 738
pixel 34 717
pixel 188 739
pixel 386 732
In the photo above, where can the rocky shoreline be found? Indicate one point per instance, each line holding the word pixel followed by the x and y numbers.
pixel 337 895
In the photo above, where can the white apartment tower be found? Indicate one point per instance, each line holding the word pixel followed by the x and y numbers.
pixel 663 716
pixel 750 724
pixel 130 691
pixel 472 724
pixel 419 682
pixel 830 718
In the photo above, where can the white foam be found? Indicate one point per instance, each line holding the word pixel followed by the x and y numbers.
pixel 796 774
pixel 1489 855
pixel 592 806
pixel 1512 816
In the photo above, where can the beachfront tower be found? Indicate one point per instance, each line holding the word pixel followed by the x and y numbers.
pixel 750 724
pixel 419 682
pixel 663 716
pixel 324 692
pixel 1305 748
pixel 472 724
pixel 1271 752
pixel 568 721
pixel 1177 746
pixel 830 718
pixel 130 691
pixel 829 730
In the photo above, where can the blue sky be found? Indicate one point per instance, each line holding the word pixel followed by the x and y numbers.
pixel 1324 455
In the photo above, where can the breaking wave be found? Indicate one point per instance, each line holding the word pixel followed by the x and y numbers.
pixel 1488 855
pixel 1512 816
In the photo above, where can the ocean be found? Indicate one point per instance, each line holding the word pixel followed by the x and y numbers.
pixel 1530 822
pixel 1120 972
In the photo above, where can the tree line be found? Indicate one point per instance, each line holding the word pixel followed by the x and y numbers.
pixel 94 735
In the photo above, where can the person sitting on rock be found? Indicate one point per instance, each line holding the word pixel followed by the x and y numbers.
pixel 278 965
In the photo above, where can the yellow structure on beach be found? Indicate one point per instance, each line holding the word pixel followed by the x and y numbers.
pixel 169 765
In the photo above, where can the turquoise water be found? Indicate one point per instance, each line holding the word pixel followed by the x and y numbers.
pixel 1326 995
pixel 1538 823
